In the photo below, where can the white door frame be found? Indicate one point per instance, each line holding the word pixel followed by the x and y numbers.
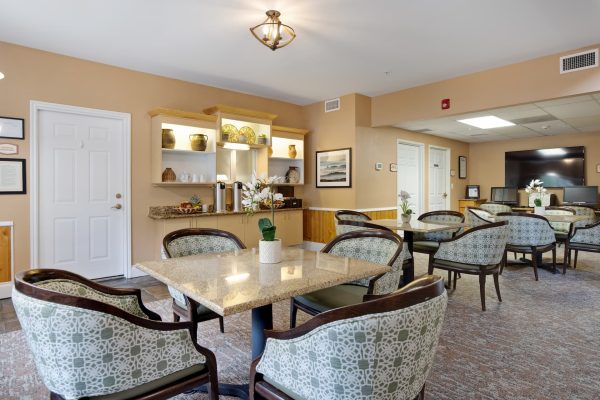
pixel 125 118
pixel 448 167
pixel 421 147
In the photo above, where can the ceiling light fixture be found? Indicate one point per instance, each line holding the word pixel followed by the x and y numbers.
pixel 236 146
pixel 272 33
pixel 1 75
pixel 487 122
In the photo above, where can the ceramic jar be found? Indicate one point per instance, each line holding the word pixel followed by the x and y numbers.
pixel 292 175
pixel 269 252
pixel 168 139
pixel 292 153
pixel 198 141
pixel 405 218
pixel 168 175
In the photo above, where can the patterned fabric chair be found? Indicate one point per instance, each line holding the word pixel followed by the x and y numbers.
pixel 346 226
pixel 562 230
pixel 374 245
pixel 380 349
pixel 349 215
pixel 529 234
pixel 91 341
pixel 428 242
pixel 479 251
pixel 588 212
pixel 187 242
pixel 584 238
pixel 495 208
pixel 478 216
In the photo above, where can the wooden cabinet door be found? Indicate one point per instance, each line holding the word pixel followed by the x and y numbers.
pixel 234 224
pixel 206 222
pixel 293 228
pixel 253 234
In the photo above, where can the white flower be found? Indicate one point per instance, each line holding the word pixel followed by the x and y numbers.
pixel 277 197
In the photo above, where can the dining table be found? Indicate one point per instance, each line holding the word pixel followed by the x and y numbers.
pixel 408 229
pixel 234 282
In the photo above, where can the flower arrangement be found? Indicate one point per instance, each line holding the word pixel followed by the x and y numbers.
pixel 404 204
pixel 259 192
pixel 537 189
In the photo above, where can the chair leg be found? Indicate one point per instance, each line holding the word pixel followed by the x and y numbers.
pixel 293 313
pixel 497 286
pixel 449 279
pixel 455 278
pixel 554 260
pixel 534 263
pixel 176 317
pixel 221 325
pixel 515 254
pixel 421 395
pixel 482 289
pixel 566 258
pixel 430 265
pixel 504 261
pixel 575 261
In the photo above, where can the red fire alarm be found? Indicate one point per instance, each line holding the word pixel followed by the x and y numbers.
pixel 445 104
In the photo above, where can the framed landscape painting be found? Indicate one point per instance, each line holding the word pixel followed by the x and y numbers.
pixel 334 168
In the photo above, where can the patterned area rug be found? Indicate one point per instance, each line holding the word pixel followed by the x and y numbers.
pixel 541 342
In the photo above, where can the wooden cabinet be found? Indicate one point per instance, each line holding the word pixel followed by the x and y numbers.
pixel 289 227
pixel 253 234
pixel 279 160
pixel 234 224
pixel 463 203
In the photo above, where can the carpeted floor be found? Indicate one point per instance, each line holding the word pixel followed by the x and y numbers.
pixel 541 342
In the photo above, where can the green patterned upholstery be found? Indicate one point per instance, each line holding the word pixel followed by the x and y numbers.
pixel 484 246
pixel 589 235
pixel 476 217
pixel 527 230
pixel 440 218
pixel 495 208
pixel 340 229
pixel 588 212
pixel 347 215
pixel 560 227
pixel 80 352
pixel 386 355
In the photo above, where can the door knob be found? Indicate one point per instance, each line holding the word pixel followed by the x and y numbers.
pixel 445 195
pixel 117 207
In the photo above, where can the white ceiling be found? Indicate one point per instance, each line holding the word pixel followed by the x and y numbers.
pixel 546 118
pixel 343 46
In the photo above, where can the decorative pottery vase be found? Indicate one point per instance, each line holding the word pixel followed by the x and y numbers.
pixel 198 141
pixel 270 151
pixel 539 210
pixel 292 175
pixel 168 139
pixel 405 218
pixel 269 252
pixel 168 175
pixel 292 153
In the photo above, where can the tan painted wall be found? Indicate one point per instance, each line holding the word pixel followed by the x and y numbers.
pixel 36 75
pixel 486 160
pixel 525 82
pixel 378 188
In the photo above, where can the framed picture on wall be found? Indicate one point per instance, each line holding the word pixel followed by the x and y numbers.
pixel 462 167
pixel 12 176
pixel 12 128
pixel 472 192
pixel 334 168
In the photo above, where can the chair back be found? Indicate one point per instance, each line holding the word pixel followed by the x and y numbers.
pixel 347 225
pixel 563 227
pixel 87 342
pixel 482 245
pixel 495 208
pixel 373 245
pixel 589 235
pixel 477 216
pixel 527 229
pixel 379 349
pixel 440 217
pixel 192 241
pixel 588 212
pixel 349 215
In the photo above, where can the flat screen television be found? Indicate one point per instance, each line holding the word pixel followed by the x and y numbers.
pixel 505 195
pixel 557 167
pixel 587 195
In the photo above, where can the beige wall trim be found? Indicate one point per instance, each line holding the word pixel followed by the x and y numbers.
pixel 358 209
pixel 6 287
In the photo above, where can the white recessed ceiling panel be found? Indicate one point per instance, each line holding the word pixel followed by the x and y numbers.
pixel 342 46
pixel 574 110
pixel 563 100
pixel 549 128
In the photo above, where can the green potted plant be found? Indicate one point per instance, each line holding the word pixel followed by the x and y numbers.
pixel 259 192
pixel 405 207
pixel 536 192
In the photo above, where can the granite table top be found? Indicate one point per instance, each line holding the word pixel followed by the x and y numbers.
pixel 168 212
pixel 416 225
pixel 233 282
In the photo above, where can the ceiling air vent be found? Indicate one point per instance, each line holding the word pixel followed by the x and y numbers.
pixel 579 61
pixel 332 105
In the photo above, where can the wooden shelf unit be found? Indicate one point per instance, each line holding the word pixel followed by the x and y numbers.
pixel 279 161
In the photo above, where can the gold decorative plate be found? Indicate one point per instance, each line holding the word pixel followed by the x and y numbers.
pixel 249 133
pixel 232 131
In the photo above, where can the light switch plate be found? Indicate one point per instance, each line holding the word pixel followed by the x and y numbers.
pixel 378 166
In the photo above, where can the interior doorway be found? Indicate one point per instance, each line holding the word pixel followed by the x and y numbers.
pixel 439 178
pixel 410 174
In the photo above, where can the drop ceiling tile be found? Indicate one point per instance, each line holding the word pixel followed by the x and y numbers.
pixel 594 128
pixel 583 122
pixel 516 132
pixel 551 127
pixel 563 100
pixel 518 112
pixel 575 110
pixel 596 96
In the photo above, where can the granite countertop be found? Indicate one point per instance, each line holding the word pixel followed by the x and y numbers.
pixel 229 283
pixel 167 212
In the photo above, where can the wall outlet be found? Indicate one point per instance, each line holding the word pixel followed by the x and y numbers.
pixel 378 166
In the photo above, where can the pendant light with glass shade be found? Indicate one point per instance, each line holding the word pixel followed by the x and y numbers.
pixel 272 33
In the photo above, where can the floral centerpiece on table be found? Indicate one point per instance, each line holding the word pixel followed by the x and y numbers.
pixel 536 190
pixel 259 193
pixel 405 206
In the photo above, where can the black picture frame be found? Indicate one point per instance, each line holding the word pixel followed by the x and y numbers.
pixel 345 155
pixel 12 121
pixel 19 169
pixel 462 167
pixel 472 192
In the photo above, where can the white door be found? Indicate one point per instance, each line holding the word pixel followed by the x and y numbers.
pixel 410 174
pixel 81 186
pixel 438 179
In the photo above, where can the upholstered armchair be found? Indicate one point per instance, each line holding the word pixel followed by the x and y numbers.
pixel 428 242
pixel 529 234
pixel 478 251
pixel 349 215
pixel 90 340
pixel 495 208
pixel 562 230
pixel 589 212
pixel 376 246
pixel 478 216
pixel 187 242
pixel 380 349
pixel 584 238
